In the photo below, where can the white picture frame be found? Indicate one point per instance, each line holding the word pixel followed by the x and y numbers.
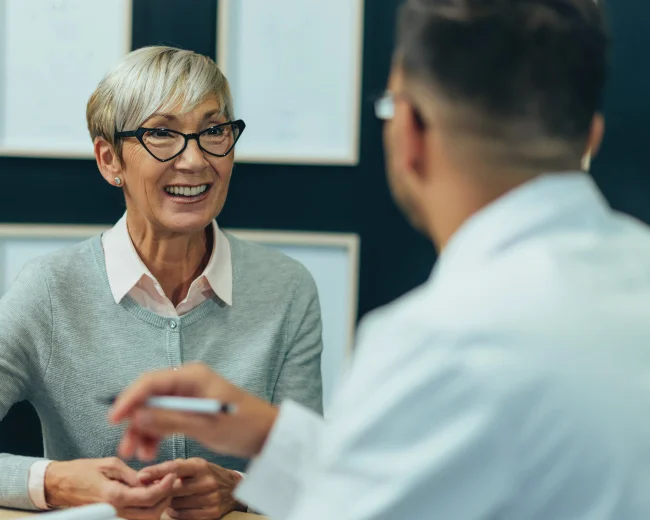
pixel 46 81
pixel 284 67
pixel 336 276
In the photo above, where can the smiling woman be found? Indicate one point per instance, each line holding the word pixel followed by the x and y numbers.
pixel 163 287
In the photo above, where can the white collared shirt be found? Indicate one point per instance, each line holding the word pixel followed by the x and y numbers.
pixel 514 384
pixel 127 275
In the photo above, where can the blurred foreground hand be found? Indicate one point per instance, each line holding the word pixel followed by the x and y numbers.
pixel 241 434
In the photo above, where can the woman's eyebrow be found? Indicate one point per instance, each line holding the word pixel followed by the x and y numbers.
pixel 211 114
pixel 162 115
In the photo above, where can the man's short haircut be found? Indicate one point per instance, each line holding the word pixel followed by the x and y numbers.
pixel 525 74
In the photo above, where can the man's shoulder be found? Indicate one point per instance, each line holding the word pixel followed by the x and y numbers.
pixel 544 285
pixel 454 305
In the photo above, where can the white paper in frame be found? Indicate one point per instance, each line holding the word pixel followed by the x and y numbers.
pixel 53 53
pixel 294 67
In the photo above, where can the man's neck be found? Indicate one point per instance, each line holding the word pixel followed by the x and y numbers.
pixel 462 197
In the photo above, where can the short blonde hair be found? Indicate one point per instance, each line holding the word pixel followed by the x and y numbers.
pixel 149 80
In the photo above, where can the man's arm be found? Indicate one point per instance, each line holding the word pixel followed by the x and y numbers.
pixel 274 481
pixel 415 433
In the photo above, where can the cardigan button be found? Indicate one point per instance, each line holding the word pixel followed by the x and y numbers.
pixel 172 324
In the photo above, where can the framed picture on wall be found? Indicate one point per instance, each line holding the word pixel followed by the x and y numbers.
pixel 294 67
pixel 53 53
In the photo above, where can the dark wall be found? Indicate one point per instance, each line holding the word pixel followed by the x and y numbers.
pixel 393 257
pixel 622 170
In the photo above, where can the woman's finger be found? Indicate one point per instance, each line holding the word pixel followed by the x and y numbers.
pixel 181 467
pixel 146 513
pixel 148 496
pixel 116 469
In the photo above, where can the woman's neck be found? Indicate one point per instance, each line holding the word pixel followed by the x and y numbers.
pixel 175 260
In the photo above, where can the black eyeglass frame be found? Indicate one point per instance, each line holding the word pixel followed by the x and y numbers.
pixel 139 134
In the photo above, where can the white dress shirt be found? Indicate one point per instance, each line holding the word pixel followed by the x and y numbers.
pixel 128 275
pixel 514 384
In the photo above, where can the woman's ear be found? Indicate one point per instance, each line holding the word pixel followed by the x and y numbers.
pixel 108 162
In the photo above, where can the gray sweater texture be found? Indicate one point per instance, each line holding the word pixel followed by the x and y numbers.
pixel 66 347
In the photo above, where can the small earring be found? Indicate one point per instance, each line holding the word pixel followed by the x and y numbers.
pixel 118 181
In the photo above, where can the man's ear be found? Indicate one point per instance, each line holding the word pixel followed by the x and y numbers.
pixel 414 143
pixel 596 134
pixel 108 162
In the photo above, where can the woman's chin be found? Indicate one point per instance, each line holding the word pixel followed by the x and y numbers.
pixel 186 224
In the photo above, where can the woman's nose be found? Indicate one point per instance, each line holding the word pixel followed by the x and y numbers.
pixel 192 157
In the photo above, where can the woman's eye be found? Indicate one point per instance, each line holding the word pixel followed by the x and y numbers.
pixel 160 132
pixel 215 130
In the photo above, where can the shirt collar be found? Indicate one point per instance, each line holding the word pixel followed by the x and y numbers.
pixel 218 272
pixel 544 200
pixel 125 268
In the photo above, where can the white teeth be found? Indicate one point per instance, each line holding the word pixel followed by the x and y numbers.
pixel 186 191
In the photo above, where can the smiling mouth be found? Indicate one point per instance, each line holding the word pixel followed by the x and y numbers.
pixel 187 192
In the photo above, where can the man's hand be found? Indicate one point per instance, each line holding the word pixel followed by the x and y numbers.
pixel 203 492
pixel 241 434
pixel 88 481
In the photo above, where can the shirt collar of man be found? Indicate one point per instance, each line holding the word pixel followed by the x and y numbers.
pixel 526 209
pixel 125 268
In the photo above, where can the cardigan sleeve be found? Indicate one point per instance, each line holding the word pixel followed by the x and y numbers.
pixel 25 349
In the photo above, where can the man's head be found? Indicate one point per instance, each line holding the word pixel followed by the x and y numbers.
pixel 495 89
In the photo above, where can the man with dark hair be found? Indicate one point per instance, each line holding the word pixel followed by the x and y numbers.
pixel 513 384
